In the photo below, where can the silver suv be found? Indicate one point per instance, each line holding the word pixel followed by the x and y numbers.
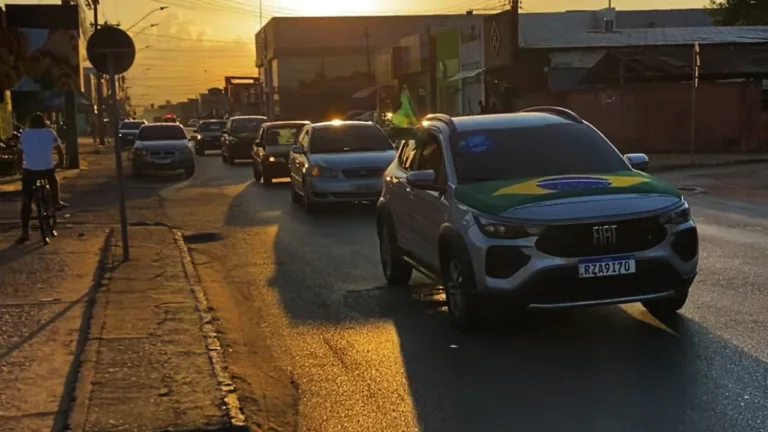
pixel 537 207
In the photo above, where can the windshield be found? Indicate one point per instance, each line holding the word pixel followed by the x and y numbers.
pixel 529 152
pixel 161 133
pixel 212 126
pixel 282 136
pixel 245 125
pixel 356 138
pixel 131 125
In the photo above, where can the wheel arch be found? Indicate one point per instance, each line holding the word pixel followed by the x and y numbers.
pixel 447 239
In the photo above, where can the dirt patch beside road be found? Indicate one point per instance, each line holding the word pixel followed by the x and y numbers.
pixel 748 183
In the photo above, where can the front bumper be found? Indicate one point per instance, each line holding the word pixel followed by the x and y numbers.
pixel 240 150
pixel 345 190
pixel 145 163
pixel 544 281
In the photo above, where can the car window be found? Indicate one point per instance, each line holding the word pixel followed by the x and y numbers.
pixel 531 152
pixel 212 126
pixel 407 151
pixel 282 136
pixel 131 125
pixel 349 138
pixel 162 132
pixel 429 155
pixel 245 125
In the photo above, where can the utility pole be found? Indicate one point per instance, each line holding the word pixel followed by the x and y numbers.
pixel 694 86
pixel 432 71
pixel 99 86
pixel 368 51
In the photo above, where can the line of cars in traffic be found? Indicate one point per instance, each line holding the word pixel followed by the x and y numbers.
pixel 535 208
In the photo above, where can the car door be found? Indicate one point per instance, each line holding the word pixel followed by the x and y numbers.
pixel 225 136
pixel 429 209
pixel 399 194
pixel 297 162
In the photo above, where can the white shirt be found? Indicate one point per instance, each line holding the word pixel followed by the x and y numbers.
pixel 37 147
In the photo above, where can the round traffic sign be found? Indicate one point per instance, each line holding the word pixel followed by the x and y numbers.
pixel 111 50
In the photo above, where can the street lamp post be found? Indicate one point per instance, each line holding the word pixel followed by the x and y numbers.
pixel 161 8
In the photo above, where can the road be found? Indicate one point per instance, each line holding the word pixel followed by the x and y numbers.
pixel 317 343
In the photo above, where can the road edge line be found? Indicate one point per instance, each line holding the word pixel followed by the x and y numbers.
pixel 73 406
pixel 226 386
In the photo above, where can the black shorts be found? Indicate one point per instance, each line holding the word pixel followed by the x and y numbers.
pixel 29 178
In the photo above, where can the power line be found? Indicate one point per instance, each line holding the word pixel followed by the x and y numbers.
pixel 194 39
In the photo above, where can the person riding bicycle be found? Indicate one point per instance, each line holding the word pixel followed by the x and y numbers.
pixel 37 143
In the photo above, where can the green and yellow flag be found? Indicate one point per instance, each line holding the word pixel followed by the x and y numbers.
pixel 405 116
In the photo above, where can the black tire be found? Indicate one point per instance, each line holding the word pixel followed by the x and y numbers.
pixel 309 205
pixel 42 220
pixel 267 179
pixel 199 151
pixel 670 306
pixel 256 173
pixel 295 195
pixel 189 171
pixel 460 287
pixel 396 270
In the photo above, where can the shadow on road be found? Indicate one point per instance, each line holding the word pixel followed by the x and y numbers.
pixel 581 370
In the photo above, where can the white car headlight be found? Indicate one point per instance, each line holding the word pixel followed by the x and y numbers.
pixel 679 216
pixel 322 171
pixel 503 230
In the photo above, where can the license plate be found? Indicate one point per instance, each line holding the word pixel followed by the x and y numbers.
pixel 365 187
pixel 162 161
pixel 607 266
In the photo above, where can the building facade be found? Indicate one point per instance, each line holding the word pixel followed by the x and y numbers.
pixel 314 65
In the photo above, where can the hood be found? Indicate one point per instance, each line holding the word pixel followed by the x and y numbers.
pixel 354 159
pixel 129 132
pixel 570 197
pixel 163 145
pixel 246 135
pixel 278 150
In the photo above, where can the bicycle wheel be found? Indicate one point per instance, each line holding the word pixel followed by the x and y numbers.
pixel 50 212
pixel 42 219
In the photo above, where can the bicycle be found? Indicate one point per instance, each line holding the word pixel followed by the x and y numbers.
pixel 46 211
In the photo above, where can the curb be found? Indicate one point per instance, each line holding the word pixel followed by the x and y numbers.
pixel 682 167
pixel 73 406
pixel 230 400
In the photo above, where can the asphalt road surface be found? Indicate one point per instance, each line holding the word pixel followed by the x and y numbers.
pixel 317 343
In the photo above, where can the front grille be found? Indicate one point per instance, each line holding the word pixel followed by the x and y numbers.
pixel 355 173
pixel 162 154
pixel 362 196
pixel 502 262
pixel 575 241
pixel 686 244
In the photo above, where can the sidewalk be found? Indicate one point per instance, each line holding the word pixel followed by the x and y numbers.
pixel 43 299
pixel 149 363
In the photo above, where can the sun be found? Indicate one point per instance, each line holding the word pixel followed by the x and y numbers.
pixel 332 7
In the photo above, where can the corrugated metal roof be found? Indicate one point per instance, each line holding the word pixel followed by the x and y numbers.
pixel 646 37
pixel 538 28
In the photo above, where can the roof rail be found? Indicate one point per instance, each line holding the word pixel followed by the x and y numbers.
pixel 442 118
pixel 556 111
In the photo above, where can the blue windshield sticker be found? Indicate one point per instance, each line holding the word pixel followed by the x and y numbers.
pixel 475 144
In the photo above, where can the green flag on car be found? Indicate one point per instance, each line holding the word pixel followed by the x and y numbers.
pixel 405 116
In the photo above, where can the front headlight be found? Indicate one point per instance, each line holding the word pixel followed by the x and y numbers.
pixel 502 230
pixel 321 171
pixel 677 217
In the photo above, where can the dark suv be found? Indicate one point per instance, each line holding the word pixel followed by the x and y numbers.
pixel 209 135
pixel 237 140
pixel 537 207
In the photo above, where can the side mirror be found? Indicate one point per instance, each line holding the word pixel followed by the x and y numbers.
pixel 297 149
pixel 638 161
pixel 423 180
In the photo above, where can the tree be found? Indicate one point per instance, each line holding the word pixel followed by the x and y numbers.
pixel 739 12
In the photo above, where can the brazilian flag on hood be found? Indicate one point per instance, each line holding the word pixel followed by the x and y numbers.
pixel 405 116
pixel 498 197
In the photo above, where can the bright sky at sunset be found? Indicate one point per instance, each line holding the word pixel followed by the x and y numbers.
pixel 197 42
